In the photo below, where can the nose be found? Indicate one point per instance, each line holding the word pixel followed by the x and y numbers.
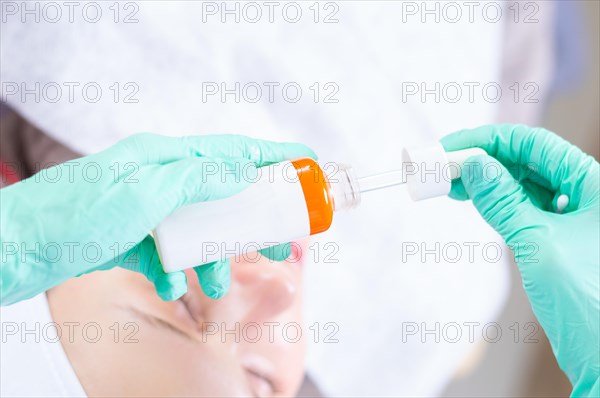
pixel 264 289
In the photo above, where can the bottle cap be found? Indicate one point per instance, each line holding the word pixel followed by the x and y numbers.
pixel 429 170
pixel 344 189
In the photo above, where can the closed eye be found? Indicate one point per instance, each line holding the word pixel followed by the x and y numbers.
pixel 156 321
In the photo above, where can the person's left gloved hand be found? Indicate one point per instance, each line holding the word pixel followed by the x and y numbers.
pixel 96 212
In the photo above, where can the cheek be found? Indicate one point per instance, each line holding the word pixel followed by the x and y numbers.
pixel 181 367
pixel 287 358
pixel 295 374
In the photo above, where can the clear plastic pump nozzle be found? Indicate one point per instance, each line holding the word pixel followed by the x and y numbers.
pixel 381 181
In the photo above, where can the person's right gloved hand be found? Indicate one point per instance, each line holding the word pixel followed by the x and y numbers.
pixel 515 190
pixel 96 212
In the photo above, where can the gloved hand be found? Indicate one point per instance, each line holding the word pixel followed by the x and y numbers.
pixel 515 190
pixel 96 212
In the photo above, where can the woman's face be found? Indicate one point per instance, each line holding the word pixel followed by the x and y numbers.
pixel 245 344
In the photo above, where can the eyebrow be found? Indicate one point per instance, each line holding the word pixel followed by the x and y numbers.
pixel 155 321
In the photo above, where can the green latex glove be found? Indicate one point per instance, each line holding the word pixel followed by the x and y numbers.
pixel 96 212
pixel 558 255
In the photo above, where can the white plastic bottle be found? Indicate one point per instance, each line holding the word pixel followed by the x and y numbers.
pixel 290 200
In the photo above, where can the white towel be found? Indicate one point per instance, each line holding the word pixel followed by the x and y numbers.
pixel 33 362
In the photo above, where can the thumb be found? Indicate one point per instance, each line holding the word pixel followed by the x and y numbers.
pixel 497 196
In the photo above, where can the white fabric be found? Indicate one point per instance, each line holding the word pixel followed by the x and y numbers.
pixel 33 362
pixel 369 293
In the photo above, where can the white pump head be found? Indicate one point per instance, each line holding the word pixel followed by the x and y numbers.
pixel 429 170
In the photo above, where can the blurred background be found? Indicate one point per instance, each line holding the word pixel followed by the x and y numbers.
pixel 573 110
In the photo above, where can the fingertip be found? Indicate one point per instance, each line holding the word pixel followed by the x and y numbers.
pixel 285 251
pixel 215 292
pixel 277 253
pixel 296 150
pixel 560 202
pixel 171 286
pixel 171 295
pixel 457 191
pixel 311 154
pixel 214 278
pixel 214 289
